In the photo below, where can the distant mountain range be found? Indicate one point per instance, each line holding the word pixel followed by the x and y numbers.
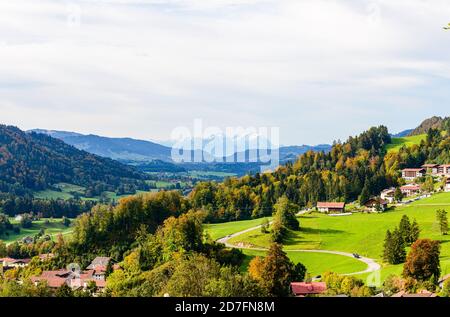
pixel 402 134
pixel 139 151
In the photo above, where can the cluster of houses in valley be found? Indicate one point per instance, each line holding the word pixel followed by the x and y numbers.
pixel 74 278
pixel 387 196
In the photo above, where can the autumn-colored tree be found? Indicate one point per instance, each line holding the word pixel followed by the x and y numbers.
pixel 275 272
pixel 422 262
pixel 256 268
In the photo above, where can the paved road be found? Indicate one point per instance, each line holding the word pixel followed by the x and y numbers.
pixel 372 266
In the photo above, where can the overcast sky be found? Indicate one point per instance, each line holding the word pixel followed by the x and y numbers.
pixel 318 69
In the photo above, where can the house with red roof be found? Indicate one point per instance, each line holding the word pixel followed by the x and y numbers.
pixel 75 280
pixel 410 190
pixel 8 263
pixel 302 289
pixel 331 207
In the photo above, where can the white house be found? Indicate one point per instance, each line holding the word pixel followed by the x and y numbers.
pixel 388 195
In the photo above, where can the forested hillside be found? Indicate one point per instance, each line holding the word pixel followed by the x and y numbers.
pixel 360 166
pixel 31 162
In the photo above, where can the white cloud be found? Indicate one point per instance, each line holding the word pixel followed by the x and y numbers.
pixel 141 68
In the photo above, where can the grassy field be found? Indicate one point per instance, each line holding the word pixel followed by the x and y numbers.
pixel 397 143
pixel 220 230
pixel 67 191
pixel 53 228
pixel 210 173
pixel 316 263
pixel 361 233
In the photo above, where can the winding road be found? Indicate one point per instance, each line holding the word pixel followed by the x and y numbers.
pixel 372 266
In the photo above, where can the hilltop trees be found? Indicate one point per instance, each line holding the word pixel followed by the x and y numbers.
pixel 316 176
pixel 441 217
pixel 422 262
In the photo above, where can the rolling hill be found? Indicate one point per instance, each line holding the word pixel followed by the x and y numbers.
pixel 397 143
pixel 32 162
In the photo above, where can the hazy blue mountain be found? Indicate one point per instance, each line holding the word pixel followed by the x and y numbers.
pixel 123 149
pixel 151 156
pixel 403 133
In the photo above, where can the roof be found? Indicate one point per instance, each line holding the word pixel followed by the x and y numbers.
pixel 410 187
pixel 302 288
pixel 58 278
pixel 412 170
pixel 388 190
pixel 420 294
pixel 373 201
pixel 53 278
pixel 430 165
pixel 7 260
pixel 99 261
pixel 13 261
pixel 330 205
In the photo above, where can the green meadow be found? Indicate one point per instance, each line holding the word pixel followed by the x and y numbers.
pixel 397 143
pixel 358 233
pixel 52 227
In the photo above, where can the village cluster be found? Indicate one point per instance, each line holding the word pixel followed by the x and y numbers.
pixel 387 196
pixel 73 277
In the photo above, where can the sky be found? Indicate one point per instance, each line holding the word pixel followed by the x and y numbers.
pixel 319 70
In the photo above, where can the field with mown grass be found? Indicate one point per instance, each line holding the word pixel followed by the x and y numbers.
pixel 316 263
pixel 397 143
pixel 360 233
pixel 52 227
pixel 221 230
pixel 67 191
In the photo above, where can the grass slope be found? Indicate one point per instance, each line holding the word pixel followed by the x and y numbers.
pixel 53 228
pixel 361 233
pixel 220 230
pixel 316 263
pixel 397 143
